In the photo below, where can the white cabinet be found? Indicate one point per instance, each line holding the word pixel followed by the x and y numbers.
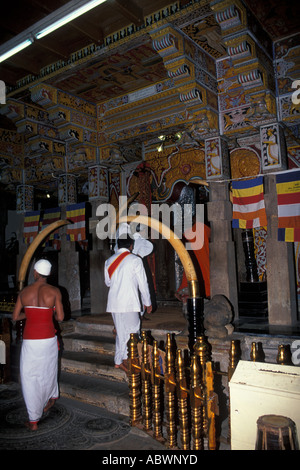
pixel 258 389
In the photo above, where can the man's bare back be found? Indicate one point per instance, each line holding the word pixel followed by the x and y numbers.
pixel 39 294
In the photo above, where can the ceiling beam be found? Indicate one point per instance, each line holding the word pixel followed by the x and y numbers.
pixel 8 75
pixel 131 11
pixel 87 28
pixel 24 63
pixel 57 50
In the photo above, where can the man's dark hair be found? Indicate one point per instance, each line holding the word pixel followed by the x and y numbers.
pixel 125 242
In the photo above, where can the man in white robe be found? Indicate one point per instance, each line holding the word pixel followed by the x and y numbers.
pixel 127 281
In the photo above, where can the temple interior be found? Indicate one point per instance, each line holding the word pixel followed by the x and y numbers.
pixel 167 106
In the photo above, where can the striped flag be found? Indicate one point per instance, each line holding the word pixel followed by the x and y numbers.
pixel 50 216
pixel 288 200
pixel 248 203
pixel 76 214
pixel 31 226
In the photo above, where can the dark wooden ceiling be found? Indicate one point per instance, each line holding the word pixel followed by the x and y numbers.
pixel 92 27
pixel 279 18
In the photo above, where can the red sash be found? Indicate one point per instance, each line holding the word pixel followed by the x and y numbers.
pixel 39 323
pixel 113 266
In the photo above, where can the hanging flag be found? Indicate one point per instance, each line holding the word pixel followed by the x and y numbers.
pixel 248 203
pixel 31 226
pixel 50 216
pixel 76 214
pixel 288 200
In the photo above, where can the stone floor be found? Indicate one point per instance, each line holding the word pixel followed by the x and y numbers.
pixel 68 425
pixel 73 425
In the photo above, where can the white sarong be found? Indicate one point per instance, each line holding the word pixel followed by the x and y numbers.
pixel 125 323
pixel 38 371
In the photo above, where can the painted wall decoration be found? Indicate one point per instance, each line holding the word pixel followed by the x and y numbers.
pixel 115 188
pixel 294 156
pixel 206 33
pixel 273 151
pixel 25 198
pixel 98 183
pixel 245 162
pixel 287 68
pixel 67 190
pixel 216 158
pixel 41 168
pixel 168 168
pixel 11 143
pixel 260 238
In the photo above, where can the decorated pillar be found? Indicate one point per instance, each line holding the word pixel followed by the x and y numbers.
pixel 68 260
pixel 221 248
pixel 25 198
pixel 98 194
pixel 25 204
pixel 98 183
pixel 282 307
pixel 67 192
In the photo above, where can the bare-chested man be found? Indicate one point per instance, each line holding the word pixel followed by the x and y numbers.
pixel 39 303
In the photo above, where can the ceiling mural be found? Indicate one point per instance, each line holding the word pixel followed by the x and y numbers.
pixel 206 32
pixel 116 74
pixel 119 77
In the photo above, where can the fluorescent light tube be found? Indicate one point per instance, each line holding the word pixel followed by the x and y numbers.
pixel 70 17
pixel 15 49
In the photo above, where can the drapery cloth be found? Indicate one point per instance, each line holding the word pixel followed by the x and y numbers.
pixel 39 361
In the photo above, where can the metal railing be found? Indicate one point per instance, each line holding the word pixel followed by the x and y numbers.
pixel 172 394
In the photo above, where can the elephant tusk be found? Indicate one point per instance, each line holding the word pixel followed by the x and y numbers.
pixel 33 246
pixel 177 244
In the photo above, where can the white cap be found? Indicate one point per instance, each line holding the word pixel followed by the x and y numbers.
pixel 142 247
pixel 43 267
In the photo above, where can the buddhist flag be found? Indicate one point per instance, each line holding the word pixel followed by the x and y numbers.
pixel 50 216
pixel 31 226
pixel 76 214
pixel 248 203
pixel 288 199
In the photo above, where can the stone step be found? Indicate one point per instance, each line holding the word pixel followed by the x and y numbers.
pixel 91 364
pixel 97 391
pixel 95 328
pixel 78 342
pixel 87 370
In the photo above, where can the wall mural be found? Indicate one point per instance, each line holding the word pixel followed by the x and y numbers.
pixel 167 168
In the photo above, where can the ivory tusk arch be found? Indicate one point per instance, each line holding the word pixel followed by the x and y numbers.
pixel 33 246
pixel 177 244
